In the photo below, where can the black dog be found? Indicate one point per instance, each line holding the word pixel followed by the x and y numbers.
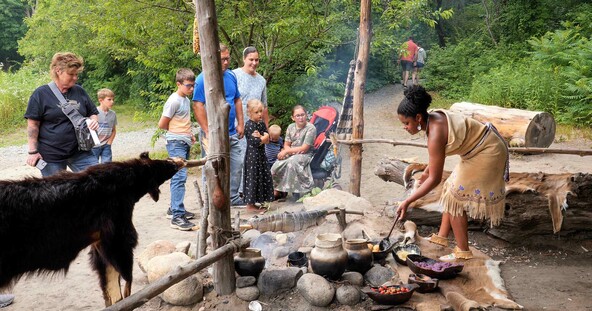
pixel 46 222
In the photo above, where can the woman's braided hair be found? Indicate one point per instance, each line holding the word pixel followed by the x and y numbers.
pixel 416 101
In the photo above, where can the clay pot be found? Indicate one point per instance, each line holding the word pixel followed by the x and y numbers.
pixel 297 259
pixel 249 262
pixel 359 256
pixel 328 258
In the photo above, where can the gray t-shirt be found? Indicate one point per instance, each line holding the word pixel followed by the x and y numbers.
pixel 251 87
pixel 107 121
pixel 178 109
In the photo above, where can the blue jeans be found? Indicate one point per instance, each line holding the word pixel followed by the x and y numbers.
pixel 103 153
pixel 78 162
pixel 237 158
pixel 179 149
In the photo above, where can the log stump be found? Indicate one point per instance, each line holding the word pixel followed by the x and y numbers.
pixel 537 204
pixel 521 128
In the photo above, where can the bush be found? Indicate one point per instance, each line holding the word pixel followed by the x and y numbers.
pixel 15 90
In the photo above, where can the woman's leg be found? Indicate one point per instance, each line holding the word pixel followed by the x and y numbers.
pixel 444 225
pixel 460 229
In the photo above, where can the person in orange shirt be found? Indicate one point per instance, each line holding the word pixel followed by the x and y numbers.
pixel 408 51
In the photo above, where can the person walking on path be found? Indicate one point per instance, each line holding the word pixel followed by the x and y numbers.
pixel 465 193
pixel 418 64
pixel 408 51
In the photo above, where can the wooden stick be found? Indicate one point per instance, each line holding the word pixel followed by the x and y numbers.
pixel 196 163
pixel 203 230
pixel 523 150
pixel 178 274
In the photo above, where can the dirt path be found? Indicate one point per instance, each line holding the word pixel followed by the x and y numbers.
pixel 556 275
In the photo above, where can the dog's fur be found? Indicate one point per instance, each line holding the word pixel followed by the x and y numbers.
pixel 46 222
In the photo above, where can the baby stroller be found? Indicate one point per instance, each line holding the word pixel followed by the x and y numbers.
pixel 324 161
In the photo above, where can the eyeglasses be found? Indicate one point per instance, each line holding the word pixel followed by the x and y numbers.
pixel 189 85
pixel 225 59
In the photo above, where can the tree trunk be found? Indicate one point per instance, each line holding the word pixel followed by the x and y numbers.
pixel 440 28
pixel 358 101
pixel 218 164
pixel 521 128
pixel 537 204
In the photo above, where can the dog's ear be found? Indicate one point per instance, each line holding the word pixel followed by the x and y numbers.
pixel 144 155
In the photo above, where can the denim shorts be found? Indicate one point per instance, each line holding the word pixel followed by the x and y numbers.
pixel 407 65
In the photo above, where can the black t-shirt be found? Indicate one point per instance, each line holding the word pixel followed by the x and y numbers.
pixel 57 138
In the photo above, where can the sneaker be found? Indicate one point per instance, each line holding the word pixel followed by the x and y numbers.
pixel 182 224
pixel 188 215
pixel 6 299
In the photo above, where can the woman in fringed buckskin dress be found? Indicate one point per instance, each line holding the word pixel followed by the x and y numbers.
pixel 476 187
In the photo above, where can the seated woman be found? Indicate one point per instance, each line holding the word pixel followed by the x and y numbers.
pixel 291 173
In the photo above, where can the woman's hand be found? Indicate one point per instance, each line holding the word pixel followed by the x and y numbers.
pixel 402 210
pixel 33 158
pixel 93 124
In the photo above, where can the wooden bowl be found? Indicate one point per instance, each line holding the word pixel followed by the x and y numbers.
pixel 426 283
pixel 447 273
pixel 410 249
pixel 391 299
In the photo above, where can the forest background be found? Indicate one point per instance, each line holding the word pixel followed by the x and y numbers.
pixel 528 54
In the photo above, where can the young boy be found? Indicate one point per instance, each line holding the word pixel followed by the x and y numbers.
pixel 107 126
pixel 275 145
pixel 176 120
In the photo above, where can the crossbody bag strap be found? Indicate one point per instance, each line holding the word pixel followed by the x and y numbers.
pixel 75 117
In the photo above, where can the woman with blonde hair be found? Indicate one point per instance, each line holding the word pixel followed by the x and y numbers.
pixel 51 135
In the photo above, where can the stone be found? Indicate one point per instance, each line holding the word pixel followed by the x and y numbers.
pixel 156 248
pixel 390 211
pixel 245 281
pixel 281 238
pixel 183 247
pixel 353 278
pixel 248 293
pixel 281 251
pixel 348 295
pixel 378 275
pixel 334 197
pixel 188 291
pixel 271 282
pixel 252 234
pixel 316 289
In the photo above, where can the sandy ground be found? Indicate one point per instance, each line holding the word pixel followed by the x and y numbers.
pixel 555 275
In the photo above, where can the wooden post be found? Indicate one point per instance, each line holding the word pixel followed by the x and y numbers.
pixel 177 275
pixel 218 164
pixel 358 101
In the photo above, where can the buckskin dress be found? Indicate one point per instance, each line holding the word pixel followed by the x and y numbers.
pixel 293 174
pixel 477 185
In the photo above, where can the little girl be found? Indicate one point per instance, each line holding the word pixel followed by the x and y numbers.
pixel 257 183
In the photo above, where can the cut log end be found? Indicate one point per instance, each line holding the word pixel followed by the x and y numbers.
pixel 541 131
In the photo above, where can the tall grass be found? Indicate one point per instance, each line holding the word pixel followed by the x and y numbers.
pixel 15 90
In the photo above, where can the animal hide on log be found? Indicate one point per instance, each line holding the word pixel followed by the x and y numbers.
pixel 536 203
